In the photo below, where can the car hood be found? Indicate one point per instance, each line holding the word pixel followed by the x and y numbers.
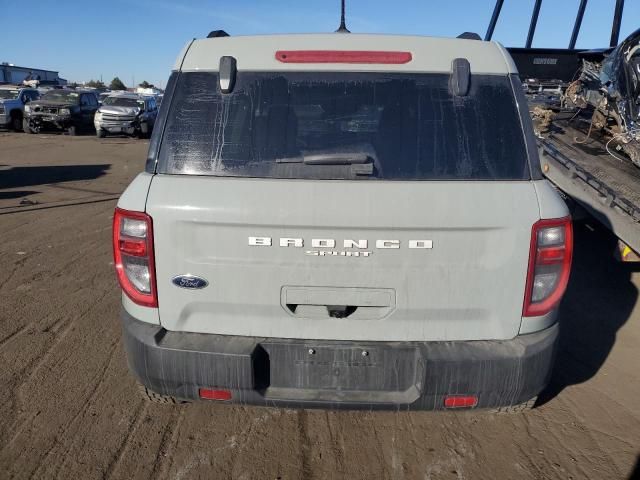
pixel 51 103
pixel 115 110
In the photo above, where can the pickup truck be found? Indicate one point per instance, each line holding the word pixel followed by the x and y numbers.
pixel 13 98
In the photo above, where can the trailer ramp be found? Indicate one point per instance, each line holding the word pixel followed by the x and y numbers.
pixel 607 187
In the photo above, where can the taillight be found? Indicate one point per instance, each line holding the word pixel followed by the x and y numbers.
pixel 133 256
pixel 549 265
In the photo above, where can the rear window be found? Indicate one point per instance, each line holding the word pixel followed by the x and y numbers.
pixel 369 126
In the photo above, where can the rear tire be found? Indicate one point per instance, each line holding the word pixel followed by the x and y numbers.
pixel 154 397
pixel 144 130
pixel 519 408
pixel 16 122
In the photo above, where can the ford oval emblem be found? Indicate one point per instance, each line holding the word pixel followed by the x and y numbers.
pixel 190 282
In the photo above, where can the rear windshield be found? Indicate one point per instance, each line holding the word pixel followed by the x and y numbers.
pixel 368 126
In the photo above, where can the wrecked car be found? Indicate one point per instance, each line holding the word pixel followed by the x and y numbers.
pixel 66 110
pixel 128 114
pixel 610 89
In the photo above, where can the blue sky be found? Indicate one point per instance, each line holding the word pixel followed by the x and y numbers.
pixel 139 39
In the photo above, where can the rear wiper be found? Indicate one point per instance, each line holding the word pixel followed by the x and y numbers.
pixel 337 158
pixel 361 157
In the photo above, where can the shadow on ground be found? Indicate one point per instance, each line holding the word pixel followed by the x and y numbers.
pixel 16 194
pixel 39 175
pixel 635 474
pixel 598 302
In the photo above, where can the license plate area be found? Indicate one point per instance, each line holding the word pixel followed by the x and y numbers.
pixel 332 372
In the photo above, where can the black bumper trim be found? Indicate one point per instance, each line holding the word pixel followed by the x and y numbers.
pixel 392 375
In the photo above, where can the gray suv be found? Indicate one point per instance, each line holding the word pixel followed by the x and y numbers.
pixel 343 221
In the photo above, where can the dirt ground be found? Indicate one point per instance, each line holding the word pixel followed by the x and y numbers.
pixel 70 409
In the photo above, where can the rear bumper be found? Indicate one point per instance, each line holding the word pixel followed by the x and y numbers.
pixel 337 374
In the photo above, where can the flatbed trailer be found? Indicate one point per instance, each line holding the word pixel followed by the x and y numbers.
pixel 606 187
pixel 576 161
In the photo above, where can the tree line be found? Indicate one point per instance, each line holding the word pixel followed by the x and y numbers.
pixel 116 84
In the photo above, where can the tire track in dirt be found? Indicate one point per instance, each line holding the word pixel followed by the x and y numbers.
pixel 9 337
pixel 90 389
pixel 336 443
pixel 126 442
pixel 305 444
pixel 74 422
pixel 163 460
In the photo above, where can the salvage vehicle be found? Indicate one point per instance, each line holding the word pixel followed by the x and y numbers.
pixel 127 113
pixel 333 225
pixel 13 98
pixel 586 110
pixel 610 89
pixel 67 110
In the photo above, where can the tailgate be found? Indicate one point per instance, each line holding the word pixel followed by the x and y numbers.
pixel 406 261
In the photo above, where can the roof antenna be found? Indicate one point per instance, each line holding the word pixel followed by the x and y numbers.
pixel 343 26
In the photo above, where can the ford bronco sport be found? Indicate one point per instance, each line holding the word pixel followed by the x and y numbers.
pixel 342 221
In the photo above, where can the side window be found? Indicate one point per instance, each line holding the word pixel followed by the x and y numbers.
pixel 84 100
pixel 94 101
pixel 29 95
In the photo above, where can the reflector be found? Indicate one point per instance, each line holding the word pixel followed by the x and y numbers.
pixel 213 394
pixel 460 401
